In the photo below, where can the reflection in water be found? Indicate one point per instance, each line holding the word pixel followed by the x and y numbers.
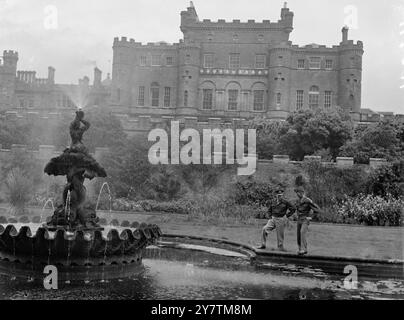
pixel 171 273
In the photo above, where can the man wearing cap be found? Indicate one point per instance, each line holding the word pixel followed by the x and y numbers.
pixel 304 207
pixel 279 210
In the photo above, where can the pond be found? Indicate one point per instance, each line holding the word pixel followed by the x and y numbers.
pixel 192 272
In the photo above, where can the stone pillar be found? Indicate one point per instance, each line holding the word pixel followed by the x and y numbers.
pixel 281 159
pixel 312 158
pixel 345 161
pixel 377 162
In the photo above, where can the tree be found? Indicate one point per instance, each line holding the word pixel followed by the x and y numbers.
pixel 307 131
pixel 380 140
pixel 13 132
pixel 268 137
pixel 128 168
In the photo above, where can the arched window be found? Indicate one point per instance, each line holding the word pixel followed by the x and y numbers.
pixel 155 94
pixel 186 98
pixel 314 95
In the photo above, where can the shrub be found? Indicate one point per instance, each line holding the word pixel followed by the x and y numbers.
pixel 255 193
pixel 329 185
pixel 18 191
pixel 387 180
pixel 372 210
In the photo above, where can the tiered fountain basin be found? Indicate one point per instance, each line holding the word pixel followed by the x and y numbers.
pixel 110 252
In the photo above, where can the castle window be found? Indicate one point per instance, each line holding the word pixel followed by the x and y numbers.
pixel 186 98
pixel 140 98
pixel 301 64
pixel 167 97
pixel 258 100
pixel 22 103
pixel 315 63
pixel 169 61
pixel 299 99
pixel 118 97
pixel 143 61
pixel 155 94
pixel 208 60
pixel 188 59
pixel 260 37
pixel 233 100
pixel 156 60
pixel 260 61
pixel 234 61
pixel 328 64
pixel 327 99
pixel 207 103
pixel 278 98
pixel 314 97
pixel 235 37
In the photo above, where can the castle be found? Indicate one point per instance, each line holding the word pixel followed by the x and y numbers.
pixel 23 91
pixel 219 73
pixel 234 69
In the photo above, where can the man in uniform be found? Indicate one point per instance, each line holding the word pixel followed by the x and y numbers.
pixel 304 208
pixel 279 211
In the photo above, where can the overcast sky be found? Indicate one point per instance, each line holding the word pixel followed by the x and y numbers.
pixel 86 28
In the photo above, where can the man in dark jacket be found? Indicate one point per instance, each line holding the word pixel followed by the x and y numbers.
pixel 279 211
pixel 304 208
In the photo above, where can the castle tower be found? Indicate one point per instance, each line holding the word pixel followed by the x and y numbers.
pixel 279 79
pixel 121 94
pixel 8 71
pixel 189 65
pixel 350 73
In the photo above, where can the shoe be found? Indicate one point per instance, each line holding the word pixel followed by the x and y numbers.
pixel 261 247
pixel 301 253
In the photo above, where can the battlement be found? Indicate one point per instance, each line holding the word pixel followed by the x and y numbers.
pixel 124 42
pixel 10 53
pixel 189 20
pixel 223 24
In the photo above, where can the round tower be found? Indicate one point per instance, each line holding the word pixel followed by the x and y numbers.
pixel 188 78
pixel 280 58
pixel 350 73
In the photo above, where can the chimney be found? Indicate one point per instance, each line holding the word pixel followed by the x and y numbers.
pixel 345 30
pixel 97 77
pixel 51 75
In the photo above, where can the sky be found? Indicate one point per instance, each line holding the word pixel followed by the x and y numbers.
pixel 74 36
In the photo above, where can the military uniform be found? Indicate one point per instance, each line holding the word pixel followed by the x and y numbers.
pixel 279 211
pixel 304 206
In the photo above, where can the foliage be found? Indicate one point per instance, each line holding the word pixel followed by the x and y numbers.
pixel 328 185
pixel 268 137
pixel 381 140
pixel 13 132
pixel 387 180
pixel 18 191
pixel 372 210
pixel 128 169
pixel 163 185
pixel 308 131
pixel 255 193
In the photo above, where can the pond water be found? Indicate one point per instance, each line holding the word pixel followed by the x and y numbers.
pixel 198 272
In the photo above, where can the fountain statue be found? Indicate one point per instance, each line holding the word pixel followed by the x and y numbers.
pixel 77 165
pixel 73 239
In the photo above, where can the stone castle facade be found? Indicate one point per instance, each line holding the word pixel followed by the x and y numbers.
pixel 229 70
pixel 219 73
pixel 23 91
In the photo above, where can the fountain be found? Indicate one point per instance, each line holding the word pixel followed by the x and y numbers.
pixel 73 240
